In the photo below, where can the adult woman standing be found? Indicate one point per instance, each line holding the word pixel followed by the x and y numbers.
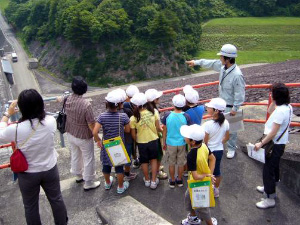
pixel 79 128
pixel 276 129
pixel 34 135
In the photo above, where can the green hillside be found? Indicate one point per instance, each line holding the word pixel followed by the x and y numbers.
pixel 271 39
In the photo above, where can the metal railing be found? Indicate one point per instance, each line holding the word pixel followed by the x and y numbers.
pixel 255 86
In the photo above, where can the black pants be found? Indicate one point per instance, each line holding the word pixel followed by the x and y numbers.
pixel 271 170
pixel 30 183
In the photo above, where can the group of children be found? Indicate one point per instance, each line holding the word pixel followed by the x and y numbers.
pixel 134 117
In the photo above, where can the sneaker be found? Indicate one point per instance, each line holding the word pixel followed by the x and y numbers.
pixel 79 179
pixel 266 203
pixel 108 186
pixel 147 182
pixel 162 175
pixel 89 185
pixel 214 221
pixel 216 192
pixel 131 176
pixel 161 168
pixel 191 220
pixel 179 182
pixel 136 164
pixel 171 183
pixel 185 173
pixel 154 184
pixel 260 189
pixel 230 154
pixel 124 188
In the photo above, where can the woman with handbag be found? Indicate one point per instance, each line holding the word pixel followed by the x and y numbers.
pixel 276 131
pixel 34 137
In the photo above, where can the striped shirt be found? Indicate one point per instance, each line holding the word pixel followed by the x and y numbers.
pixel 112 125
pixel 79 115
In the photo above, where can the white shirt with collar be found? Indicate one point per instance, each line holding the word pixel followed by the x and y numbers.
pixel 39 150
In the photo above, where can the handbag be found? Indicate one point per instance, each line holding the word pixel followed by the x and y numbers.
pixel 62 119
pixel 18 162
pixel 270 145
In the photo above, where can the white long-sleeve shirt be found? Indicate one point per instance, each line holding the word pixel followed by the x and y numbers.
pixel 232 83
pixel 39 150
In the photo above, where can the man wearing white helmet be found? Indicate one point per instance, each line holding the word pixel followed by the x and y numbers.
pixel 231 87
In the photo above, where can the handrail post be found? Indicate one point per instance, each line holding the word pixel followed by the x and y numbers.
pixel 269 103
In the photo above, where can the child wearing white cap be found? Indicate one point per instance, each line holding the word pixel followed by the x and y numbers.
pixel 129 143
pixel 201 164
pixel 194 110
pixel 113 124
pixel 144 126
pixel 130 92
pixel 216 134
pixel 173 140
pixel 153 99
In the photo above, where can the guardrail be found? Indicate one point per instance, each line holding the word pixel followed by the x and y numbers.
pixel 11 145
pixel 255 86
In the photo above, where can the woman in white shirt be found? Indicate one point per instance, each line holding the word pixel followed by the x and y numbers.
pixel 276 129
pixel 35 138
pixel 216 134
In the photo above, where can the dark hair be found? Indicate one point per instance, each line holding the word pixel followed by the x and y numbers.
pixel 178 108
pixel 111 105
pixel 197 142
pixel 79 86
pixel 31 105
pixel 136 110
pixel 221 118
pixel 280 94
pixel 231 60
pixel 154 106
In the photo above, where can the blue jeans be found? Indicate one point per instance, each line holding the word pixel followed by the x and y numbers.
pixel 231 143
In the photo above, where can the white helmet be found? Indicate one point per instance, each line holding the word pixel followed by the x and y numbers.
pixel 228 50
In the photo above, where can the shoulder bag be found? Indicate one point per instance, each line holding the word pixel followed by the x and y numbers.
pixel 270 145
pixel 18 162
pixel 62 119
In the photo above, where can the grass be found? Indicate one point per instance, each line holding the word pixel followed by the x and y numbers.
pixel 270 39
pixel 3 5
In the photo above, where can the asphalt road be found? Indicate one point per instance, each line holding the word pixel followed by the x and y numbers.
pixel 24 79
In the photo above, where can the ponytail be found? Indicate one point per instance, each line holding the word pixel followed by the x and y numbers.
pixel 136 113
pixel 150 107
pixel 221 118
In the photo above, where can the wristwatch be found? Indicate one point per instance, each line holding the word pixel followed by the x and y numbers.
pixel 6 114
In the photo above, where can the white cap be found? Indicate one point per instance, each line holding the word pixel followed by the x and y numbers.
pixel 187 88
pixel 122 94
pixel 192 96
pixel 153 94
pixel 228 50
pixel 132 90
pixel 139 99
pixel 179 101
pixel 194 132
pixel 217 103
pixel 113 97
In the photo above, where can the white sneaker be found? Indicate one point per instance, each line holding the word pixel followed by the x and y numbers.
pixel 214 221
pixel 230 154
pixel 260 189
pixel 266 203
pixel 88 185
pixel 153 184
pixel 191 220
pixel 147 182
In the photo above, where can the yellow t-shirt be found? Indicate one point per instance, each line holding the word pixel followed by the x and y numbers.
pixel 146 129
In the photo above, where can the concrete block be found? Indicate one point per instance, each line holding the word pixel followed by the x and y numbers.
pixel 127 210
